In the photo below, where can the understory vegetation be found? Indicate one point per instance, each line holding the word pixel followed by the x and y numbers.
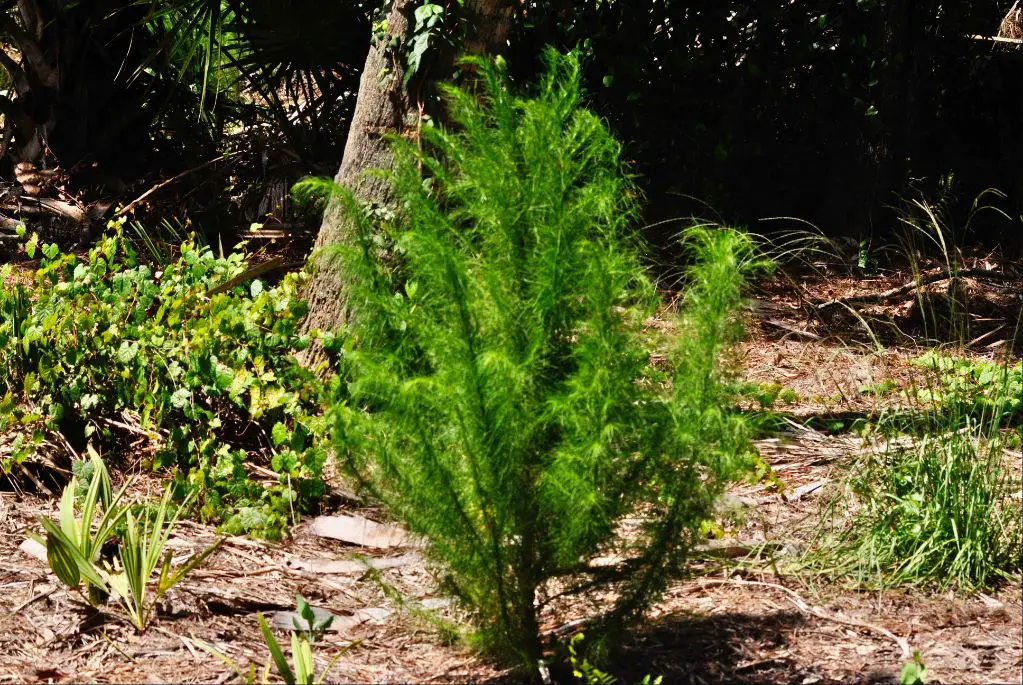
pixel 191 356
pixel 932 507
pixel 513 386
pixel 501 401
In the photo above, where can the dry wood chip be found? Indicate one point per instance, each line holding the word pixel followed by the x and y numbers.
pixel 356 530
pixel 33 549
pixel 808 489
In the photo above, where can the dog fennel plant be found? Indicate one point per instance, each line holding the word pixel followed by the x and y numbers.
pixel 499 397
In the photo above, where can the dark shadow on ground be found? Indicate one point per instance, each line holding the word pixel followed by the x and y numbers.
pixel 745 649
pixel 727 647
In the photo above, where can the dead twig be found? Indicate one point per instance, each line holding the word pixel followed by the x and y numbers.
pixel 806 608
pixel 997 39
pixel 163 184
pixel 798 332
pixel 33 598
pixel 135 430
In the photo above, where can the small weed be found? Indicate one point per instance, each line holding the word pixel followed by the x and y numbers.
pixel 914 672
pixel 588 674
pixel 302 669
pixel 74 543
pixel 311 627
pixel 142 552
pixel 882 388
pixel 768 394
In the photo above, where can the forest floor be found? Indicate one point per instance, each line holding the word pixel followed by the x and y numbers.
pixel 732 620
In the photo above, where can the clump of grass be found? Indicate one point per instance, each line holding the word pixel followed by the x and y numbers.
pixel 932 509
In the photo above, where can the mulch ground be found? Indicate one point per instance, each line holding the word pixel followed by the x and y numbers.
pixel 752 621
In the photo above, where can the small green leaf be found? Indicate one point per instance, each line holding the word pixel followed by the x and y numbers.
pixel 181 398
pixel 275 651
pixel 279 434
pixel 127 352
pixel 61 562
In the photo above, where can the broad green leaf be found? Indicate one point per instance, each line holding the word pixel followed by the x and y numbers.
pixel 181 398
pixel 86 569
pixel 62 562
pixel 127 352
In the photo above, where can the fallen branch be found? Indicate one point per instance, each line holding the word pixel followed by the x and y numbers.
pixel 163 184
pixel 275 264
pixel 798 332
pixel 930 279
pixel 48 205
pixel 803 606
pixel 135 430
pixel 997 39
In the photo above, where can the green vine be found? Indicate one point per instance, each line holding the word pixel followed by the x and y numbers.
pixel 433 25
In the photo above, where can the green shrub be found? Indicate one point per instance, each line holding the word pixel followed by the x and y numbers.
pixel 500 394
pixel 193 355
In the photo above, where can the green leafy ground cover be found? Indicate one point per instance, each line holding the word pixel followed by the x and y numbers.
pixel 192 354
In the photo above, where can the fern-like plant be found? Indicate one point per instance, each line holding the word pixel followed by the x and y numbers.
pixel 500 398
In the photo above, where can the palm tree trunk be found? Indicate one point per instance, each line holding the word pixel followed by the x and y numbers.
pixel 385 104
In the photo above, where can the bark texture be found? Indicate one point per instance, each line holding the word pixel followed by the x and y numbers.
pixel 384 105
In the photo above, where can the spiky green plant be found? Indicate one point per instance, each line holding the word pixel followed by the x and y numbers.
pixel 74 543
pixel 304 672
pixel 143 551
pixel 500 395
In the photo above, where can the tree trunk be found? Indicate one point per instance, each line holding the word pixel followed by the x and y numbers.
pixel 385 105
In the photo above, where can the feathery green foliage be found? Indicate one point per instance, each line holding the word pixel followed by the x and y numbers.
pixel 500 396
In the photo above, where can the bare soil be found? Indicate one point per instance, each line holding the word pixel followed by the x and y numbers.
pixel 734 620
